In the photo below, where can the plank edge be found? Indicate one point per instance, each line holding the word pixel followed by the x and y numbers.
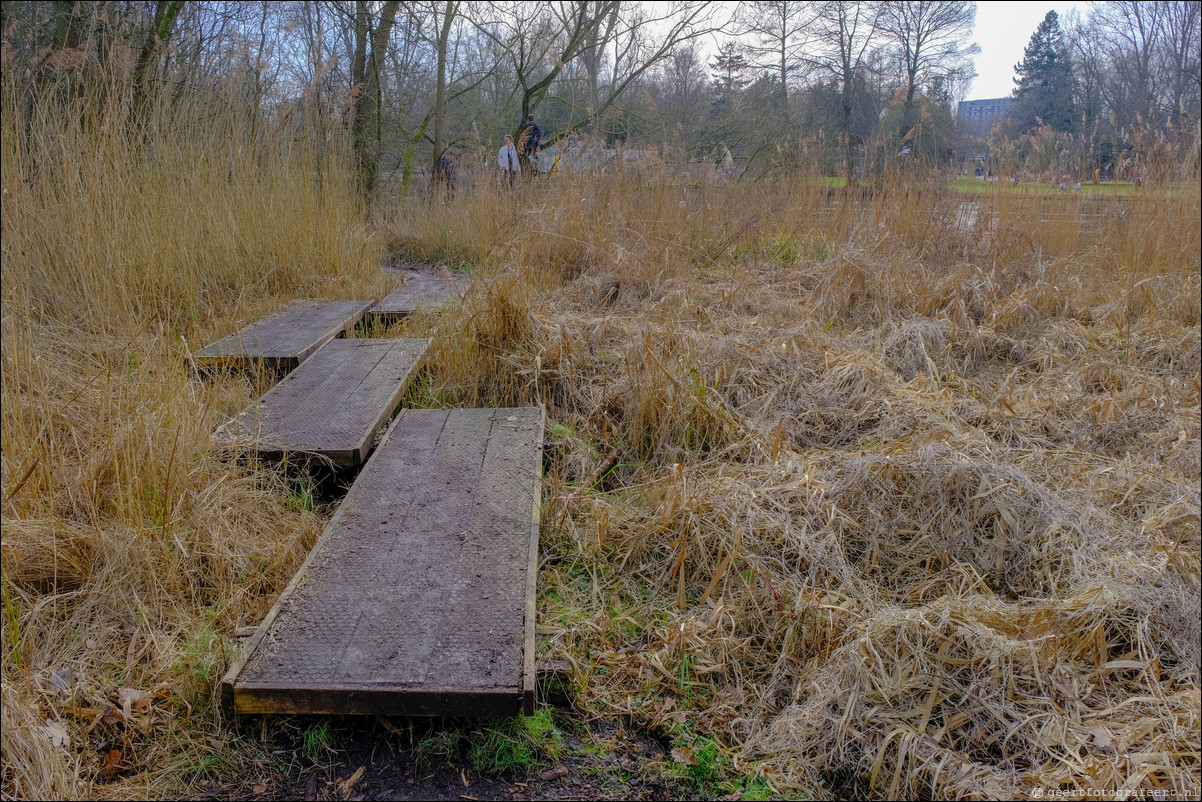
pixel 229 681
pixel 529 678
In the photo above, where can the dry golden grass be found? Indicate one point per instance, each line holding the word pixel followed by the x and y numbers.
pixel 888 501
pixel 888 494
pixel 129 551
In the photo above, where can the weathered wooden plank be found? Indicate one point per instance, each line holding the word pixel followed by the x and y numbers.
pixel 386 700
pixel 286 339
pixel 332 405
pixel 416 599
pixel 424 288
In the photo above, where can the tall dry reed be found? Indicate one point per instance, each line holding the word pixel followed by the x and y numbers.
pixel 878 493
pixel 130 553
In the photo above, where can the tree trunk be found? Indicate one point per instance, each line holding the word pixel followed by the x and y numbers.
pixel 450 11
pixel 161 27
pixel 411 152
pixel 68 25
pixel 365 75
pixel 784 82
pixel 846 108
pixel 908 121
pixel 584 23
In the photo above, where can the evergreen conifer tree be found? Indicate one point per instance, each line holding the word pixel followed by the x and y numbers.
pixel 1045 87
pixel 728 67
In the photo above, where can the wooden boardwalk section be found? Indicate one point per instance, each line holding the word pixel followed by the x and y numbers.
pixel 418 599
pixel 330 406
pixel 422 288
pixel 287 339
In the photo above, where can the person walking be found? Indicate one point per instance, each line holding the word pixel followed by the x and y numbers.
pixel 444 176
pixel 507 160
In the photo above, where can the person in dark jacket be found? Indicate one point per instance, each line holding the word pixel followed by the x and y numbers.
pixel 444 174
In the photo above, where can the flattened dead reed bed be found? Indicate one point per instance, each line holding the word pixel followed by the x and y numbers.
pixel 863 500
pixel 881 507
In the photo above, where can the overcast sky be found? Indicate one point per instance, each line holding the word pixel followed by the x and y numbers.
pixel 1003 31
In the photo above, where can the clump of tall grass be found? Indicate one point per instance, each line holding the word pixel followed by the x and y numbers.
pixel 891 492
pixel 130 553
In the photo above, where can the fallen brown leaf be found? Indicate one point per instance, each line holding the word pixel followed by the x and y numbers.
pixel 1101 736
pixel 682 754
pixel 132 699
pixel 112 715
pixel 131 653
pixel 59 682
pixel 259 788
pixel 56 732
pixel 113 761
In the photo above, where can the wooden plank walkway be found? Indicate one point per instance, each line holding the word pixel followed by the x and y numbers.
pixel 286 339
pixel 422 288
pixel 330 406
pixel 418 599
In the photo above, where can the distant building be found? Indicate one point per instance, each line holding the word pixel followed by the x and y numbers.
pixel 978 116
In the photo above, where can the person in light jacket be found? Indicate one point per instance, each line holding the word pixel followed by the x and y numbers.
pixel 507 160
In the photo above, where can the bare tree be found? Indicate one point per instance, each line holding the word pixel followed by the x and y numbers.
pixel 539 40
pixel 593 53
pixel 637 42
pixel 681 91
pixel 778 32
pixel 444 16
pixel 1085 43
pixel 930 38
pixel 1180 62
pixel 446 29
pixel 845 31
pixel 1131 32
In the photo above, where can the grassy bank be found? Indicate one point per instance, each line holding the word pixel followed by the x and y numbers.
pixel 858 495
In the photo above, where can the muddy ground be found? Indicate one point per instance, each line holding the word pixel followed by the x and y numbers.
pixel 366 759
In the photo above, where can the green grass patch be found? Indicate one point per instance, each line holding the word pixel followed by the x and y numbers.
pixel 512 745
pixel 516 745
pixel 977 186
pixel 200 662
pixel 318 743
